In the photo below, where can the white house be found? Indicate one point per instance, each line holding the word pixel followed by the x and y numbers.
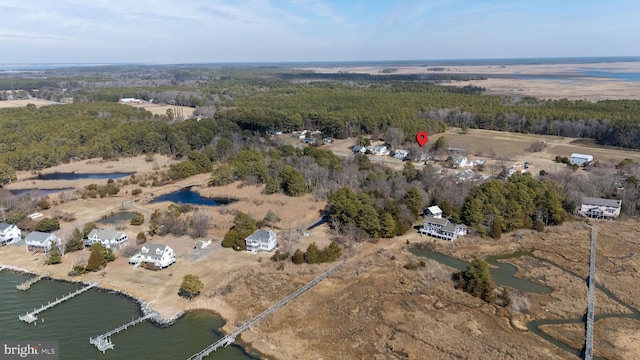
pixel 261 240
pixel 580 159
pixel 380 150
pixel 109 238
pixel 160 256
pixel 442 228
pixel 461 161
pixel 41 242
pixel 9 233
pixel 600 208
pixel 400 154
pixel 434 212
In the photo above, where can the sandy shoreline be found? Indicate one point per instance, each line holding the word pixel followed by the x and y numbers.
pixel 544 81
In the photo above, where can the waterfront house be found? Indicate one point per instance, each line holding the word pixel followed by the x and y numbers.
pixel 110 238
pixel 580 159
pixel 9 233
pixel 41 242
pixel 600 208
pixel 161 256
pixel 442 228
pixel 261 240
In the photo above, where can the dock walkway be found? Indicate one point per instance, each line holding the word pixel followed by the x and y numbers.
pixel 27 284
pixel 591 298
pixel 103 342
pixel 231 338
pixel 32 316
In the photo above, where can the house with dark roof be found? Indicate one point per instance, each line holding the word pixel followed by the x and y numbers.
pixel 600 208
pixel 161 256
pixel 41 242
pixel 261 241
pixel 9 233
pixel 442 228
pixel 110 238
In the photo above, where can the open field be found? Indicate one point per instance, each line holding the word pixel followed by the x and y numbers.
pixel 372 308
pixel 23 103
pixel 158 109
pixel 550 81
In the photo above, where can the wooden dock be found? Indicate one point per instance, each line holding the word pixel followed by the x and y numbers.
pixel 27 284
pixel 103 342
pixel 33 316
pixel 231 338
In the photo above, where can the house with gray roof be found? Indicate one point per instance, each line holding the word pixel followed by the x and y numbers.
pixel 9 233
pixel 110 238
pixel 161 256
pixel 261 241
pixel 41 242
pixel 600 208
pixel 442 228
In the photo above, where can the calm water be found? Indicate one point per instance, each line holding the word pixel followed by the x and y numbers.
pixel 81 176
pixel 503 274
pixel 186 196
pixel 627 76
pixel 39 192
pixel 119 217
pixel 93 313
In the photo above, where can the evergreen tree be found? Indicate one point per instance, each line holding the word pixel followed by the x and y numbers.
pixel 47 225
pixel 298 257
pixel 387 225
pixel 97 258
pixel 496 228
pixel 75 241
pixel 414 201
pixel 476 280
pixel 54 256
pixel 312 255
pixel 190 287
pixel 292 182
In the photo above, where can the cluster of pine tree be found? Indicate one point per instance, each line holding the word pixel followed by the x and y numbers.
pixel 314 255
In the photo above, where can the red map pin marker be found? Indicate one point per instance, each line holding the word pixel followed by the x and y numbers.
pixel 422 138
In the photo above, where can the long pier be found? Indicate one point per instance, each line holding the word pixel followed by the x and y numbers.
pixel 591 298
pixel 27 284
pixel 103 342
pixel 32 316
pixel 231 338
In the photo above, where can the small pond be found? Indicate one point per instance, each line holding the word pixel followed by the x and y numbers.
pixel 187 196
pixel 117 218
pixel 82 176
pixel 39 192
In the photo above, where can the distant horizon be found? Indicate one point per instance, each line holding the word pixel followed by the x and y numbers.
pixel 430 62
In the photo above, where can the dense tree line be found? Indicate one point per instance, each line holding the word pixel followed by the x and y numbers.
pixel 520 202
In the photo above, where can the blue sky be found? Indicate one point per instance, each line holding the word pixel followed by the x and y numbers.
pixel 197 31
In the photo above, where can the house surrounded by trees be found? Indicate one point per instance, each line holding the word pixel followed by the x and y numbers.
pixel 442 228
pixel 261 241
